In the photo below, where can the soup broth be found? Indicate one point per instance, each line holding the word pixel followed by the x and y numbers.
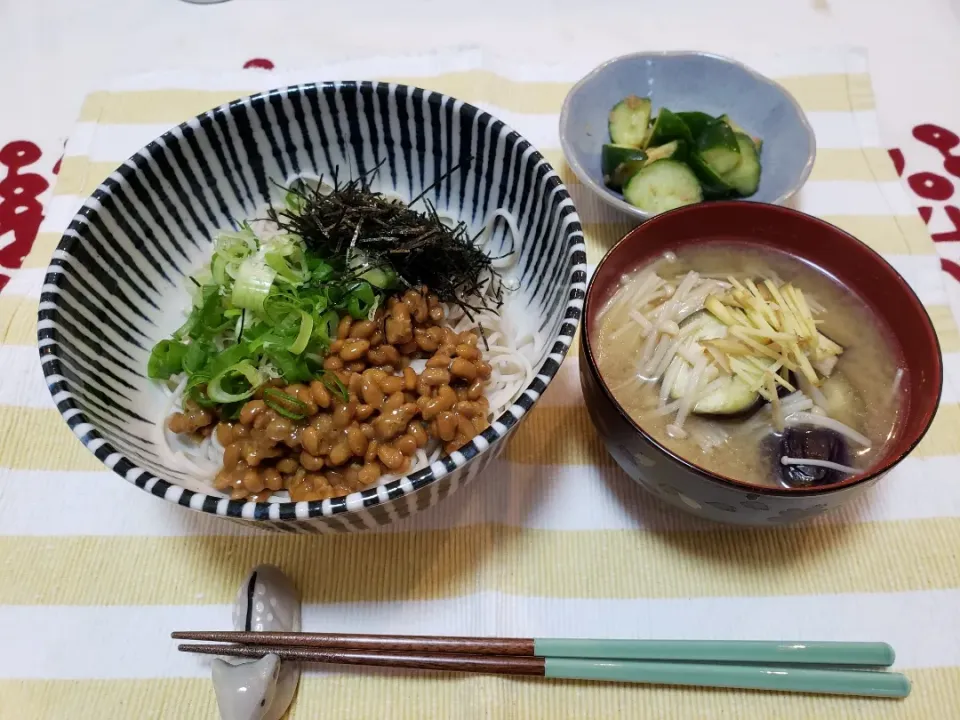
pixel 690 344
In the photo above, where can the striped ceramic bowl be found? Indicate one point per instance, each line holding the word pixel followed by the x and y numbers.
pixel 115 285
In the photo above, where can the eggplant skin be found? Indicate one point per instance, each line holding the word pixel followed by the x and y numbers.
pixel 813 443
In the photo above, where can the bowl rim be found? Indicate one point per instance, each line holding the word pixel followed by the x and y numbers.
pixel 853 480
pixel 86 429
pixel 610 198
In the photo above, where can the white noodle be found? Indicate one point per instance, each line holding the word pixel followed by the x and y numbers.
pixel 819 463
pixel 801 418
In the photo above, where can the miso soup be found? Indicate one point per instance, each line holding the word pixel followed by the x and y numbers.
pixel 752 364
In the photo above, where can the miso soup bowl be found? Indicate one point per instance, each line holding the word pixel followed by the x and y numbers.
pixel 680 482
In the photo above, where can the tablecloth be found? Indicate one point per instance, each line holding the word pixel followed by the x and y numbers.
pixel 552 541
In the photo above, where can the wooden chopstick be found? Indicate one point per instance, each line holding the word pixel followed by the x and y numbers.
pixel 389 643
pixel 741 651
pixel 783 678
pixel 496 664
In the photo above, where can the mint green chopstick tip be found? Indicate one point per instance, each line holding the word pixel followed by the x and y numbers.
pixel 862 654
pixel 862 683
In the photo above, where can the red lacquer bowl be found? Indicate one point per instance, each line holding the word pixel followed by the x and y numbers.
pixel 694 489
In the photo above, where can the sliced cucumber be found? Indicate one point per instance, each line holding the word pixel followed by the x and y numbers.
pixel 757 142
pixel 733 397
pixel 621 176
pixel 619 163
pixel 745 177
pixel 731 124
pixel 696 121
pixel 669 126
pixel 611 156
pixel 676 150
pixel 718 147
pixel 663 185
pixel 714 186
pixel 646 138
pixel 628 121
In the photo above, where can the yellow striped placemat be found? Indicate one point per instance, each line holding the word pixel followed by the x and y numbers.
pixel 553 541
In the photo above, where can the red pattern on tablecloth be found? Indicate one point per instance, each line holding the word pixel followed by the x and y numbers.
pixel 933 189
pixel 21 211
pixel 258 63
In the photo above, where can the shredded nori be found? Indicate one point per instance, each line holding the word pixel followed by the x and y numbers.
pixel 421 249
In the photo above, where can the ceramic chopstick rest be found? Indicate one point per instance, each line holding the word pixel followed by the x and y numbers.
pixel 263 689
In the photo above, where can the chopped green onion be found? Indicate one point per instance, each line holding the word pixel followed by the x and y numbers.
pixel 231 356
pixel 320 271
pixel 285 254
pixel 166 359
pixel 243 320
pixel 335 385
pixel 196 356
pixel 236 245
pixel 218 269
pixel 326 328
pixel 303 337
pixel 284 404
pixel 216 391
pixel 372 312
pixel 253 283
pixel 382 277
pixel 294 199
pixel 284 270
pixel 360 301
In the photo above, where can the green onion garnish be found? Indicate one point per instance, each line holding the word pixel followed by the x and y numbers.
pixel 234 375
pixel 335 385
pixel 303 337
pixel 284 404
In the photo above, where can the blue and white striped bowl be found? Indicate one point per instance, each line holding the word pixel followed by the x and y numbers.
pixel 115 285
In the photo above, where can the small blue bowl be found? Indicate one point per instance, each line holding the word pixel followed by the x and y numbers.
pixel 690 81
